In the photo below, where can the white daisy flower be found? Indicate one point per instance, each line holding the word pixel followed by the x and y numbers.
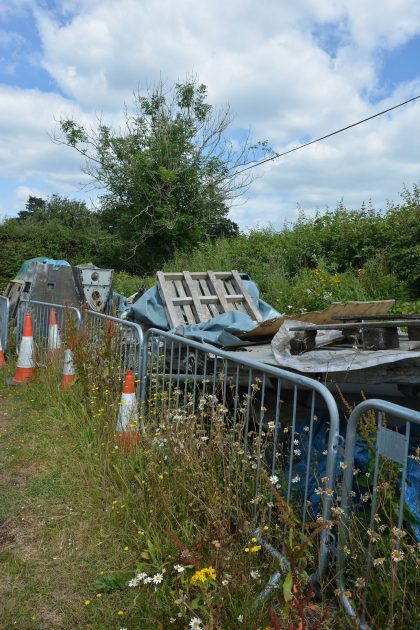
pixel 195 623
pixel 273 479
pixel 158 578
pixel 179 568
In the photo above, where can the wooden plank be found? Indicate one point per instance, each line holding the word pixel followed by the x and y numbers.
pixel 360 325
pixel 252 309
pixel 167 294
pixel 231 292
pixel 220 292
pixel 214 311
pixel 187 309
pixel 177 275
pixel 202 313
pixel 367 318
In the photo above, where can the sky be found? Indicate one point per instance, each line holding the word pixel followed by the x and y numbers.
pixel 290 72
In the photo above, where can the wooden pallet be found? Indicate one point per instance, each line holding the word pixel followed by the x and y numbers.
pixel 195 297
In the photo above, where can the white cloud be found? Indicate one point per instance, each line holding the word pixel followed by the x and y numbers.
pixel 263 59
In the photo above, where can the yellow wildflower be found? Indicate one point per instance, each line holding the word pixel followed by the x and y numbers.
pixel 203 575
pixel 255 548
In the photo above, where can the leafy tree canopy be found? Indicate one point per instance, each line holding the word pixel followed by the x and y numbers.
pixel 169 176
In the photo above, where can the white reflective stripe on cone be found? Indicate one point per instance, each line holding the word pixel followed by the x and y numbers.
pixel 26 353
pixel 54 339
pixel 68 368
pixel 127 414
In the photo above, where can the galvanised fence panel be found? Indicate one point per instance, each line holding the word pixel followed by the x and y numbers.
pixel 4 320
pixel 278 431
pixel 121 340
pixel 68 318
pixel 379 530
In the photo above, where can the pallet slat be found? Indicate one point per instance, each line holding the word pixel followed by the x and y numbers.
pixel 194 297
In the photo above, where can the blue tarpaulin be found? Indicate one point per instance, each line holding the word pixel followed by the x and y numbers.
pixel 220 330
pixel 41 259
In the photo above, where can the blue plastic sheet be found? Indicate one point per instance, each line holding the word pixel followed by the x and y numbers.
pixel 48 261
pixel 317 469
pixel 220 330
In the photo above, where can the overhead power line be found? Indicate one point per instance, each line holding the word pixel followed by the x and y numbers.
pixel 333 133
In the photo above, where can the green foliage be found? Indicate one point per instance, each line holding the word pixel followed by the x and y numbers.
pixel 56 228
pixel 169 178
pixel 341 255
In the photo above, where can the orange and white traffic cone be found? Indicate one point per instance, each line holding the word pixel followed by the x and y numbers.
pixel 54 339
pixel 25 368
pixel 127 431
pixel 2 358
pixel 68 369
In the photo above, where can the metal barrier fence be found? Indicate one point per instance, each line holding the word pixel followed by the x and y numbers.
pixel 123 339
pixel 396 471
pixel 4 321
pixel 276 428
pixel 67 317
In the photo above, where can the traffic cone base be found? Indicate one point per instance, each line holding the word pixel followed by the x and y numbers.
pixel 2 358
pixel 128 441
pixel 23 375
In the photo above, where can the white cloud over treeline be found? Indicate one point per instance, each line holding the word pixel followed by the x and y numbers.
pixel 290 71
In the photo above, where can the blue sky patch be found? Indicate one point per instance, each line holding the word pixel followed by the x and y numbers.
pixel 400 65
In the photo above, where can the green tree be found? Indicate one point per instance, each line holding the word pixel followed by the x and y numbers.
pixel 55 228
pixel 169 177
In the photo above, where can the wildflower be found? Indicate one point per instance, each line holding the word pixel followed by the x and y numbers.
pixel 378 562
pixel 225 582
pixel 255 575
pixel 120 613
pixel 240 618
pixel 296 479
pixel 246 549
pixel 329 492
pixel 98 595
pixel 265 528
pixel 158 578
pixel 306 428
pixel 297 452
pixel 273 479
pixel 397 555
pixel 87 602
pixel 125 548
pixel 286 430
pixel 347 593
pixel 337 511
pixel 255 548
pixel 398 533
pixel 195 623
pixel 203 575
pixel 373 535
pixel 360 582
pixel 147 580
pixel 271 425
pixel 253 539
pixel 179 568
pixel 343 466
